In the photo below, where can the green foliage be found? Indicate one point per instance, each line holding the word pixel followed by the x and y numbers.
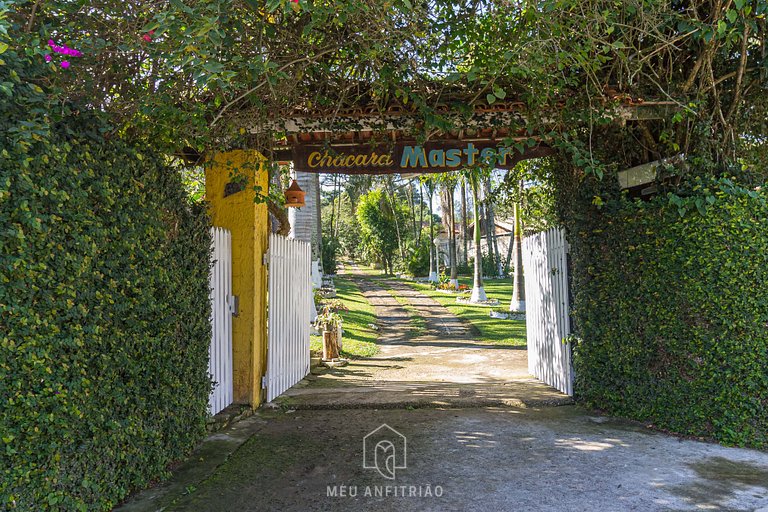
pixel 104 308
pixel 330 251
pixel 378 229
pixel 671 309
pixel 340 223
pixel 536 197
pixel 416 262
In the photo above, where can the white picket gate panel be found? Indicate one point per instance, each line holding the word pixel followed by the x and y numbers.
pixel 289 304
pixel 220 350
pixel 547 308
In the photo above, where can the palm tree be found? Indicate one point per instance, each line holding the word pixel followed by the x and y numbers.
pixel 518 283
pixel 432 251
pixel 478 292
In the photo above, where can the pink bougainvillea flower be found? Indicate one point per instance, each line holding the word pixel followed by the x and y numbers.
pixel 147 38
pixel 65 64
pixel 64 50
pixel 48 58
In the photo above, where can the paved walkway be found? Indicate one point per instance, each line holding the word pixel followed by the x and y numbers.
pixel 445 366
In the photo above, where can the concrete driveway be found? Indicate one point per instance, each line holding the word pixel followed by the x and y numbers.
pixel 492 459
pixel 478 434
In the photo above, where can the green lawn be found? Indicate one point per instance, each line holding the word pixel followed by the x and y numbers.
pixel 359 340
pixel 492 330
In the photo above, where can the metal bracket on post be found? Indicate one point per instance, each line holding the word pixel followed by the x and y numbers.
pixel 264 382
pixel 234 305
pixel 265 259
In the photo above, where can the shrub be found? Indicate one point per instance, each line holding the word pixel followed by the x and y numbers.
pixel 104 309
pixel 416 261
pixel 671 312
pixel 330 251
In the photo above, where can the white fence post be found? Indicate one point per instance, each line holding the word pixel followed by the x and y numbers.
pixel 547 308
pixel 220 351
pixel 288 322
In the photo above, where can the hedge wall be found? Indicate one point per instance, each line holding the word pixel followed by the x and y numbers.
pixel 671 310
pixel 104 309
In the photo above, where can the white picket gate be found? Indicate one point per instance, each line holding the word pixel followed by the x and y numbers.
pixel 220 350
pixel 289 303
pixel 547 308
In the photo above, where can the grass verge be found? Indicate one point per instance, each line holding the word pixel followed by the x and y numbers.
pixel 359 339
pixel 492 330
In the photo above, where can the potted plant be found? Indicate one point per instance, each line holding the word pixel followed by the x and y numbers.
pixel 329 322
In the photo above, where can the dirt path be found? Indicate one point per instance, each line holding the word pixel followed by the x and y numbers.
pixel 444 366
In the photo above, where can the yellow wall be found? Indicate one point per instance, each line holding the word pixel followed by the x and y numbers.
pixel 248 223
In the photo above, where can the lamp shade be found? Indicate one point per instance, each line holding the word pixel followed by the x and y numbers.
pixel 294 196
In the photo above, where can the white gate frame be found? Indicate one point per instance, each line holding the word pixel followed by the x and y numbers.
pixel 220 349
pixel 545 265
pixel 288 318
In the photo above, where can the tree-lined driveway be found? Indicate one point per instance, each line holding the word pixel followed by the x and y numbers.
pixel 439 362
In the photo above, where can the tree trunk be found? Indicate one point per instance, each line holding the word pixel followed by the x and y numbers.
pixel 432 268
pixel 493 248
pixel 452 240
pixel 508 258
pixel 330 345
pixel 392 204
pixel 319 224
pixel 478 293
pixel 518 282
pixel 412 204
pixel 464 227
pixel 284 225
pixel 338 210
pixel 333 204
pixel 421 212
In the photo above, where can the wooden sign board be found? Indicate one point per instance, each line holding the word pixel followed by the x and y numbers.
pixel 409 159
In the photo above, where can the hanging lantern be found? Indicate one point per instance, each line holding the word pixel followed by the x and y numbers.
pixel 294 196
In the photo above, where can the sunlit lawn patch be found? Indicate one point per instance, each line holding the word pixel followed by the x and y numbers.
pixel 359 340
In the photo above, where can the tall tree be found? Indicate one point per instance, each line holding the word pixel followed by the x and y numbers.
pixel 377 225
pixel 390 190
pixel 433 263
pixel 452 237
pixel 478 292
pixel 421 212
pixel 464 223
pixel 518 283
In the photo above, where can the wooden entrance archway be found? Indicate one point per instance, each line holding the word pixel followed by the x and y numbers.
pixel 351 142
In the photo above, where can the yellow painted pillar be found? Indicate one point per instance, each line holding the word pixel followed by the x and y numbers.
pixel 230 178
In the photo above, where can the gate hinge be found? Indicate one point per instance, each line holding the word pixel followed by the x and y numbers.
pixel 265 258
pixel 264 382
pixel 234 305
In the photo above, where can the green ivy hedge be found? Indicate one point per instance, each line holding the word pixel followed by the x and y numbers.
pixel 104 309
pixel 671 312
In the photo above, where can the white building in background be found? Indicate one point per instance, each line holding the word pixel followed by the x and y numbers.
pixel 504 235
pixel 305 222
